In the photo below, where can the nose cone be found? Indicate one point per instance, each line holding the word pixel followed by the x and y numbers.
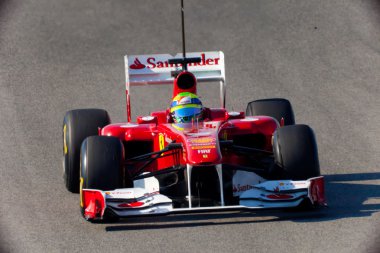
pixel 203 149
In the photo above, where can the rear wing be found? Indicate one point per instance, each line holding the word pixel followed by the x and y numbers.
pixel 155 70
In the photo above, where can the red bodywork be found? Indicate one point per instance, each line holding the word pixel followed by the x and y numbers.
pixel 200 140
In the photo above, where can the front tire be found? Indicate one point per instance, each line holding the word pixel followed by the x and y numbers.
pixel 77 125
pixel 295 152
pixel 102 167
pixel 102 163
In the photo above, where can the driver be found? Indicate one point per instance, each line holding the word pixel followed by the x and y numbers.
pixel 186 107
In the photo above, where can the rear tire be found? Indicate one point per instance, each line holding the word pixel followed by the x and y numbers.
pixel 295 152
pixel 274 107
pixel 77 125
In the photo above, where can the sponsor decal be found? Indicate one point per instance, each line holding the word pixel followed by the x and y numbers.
pixel 131 205
pixel 203 147
pixel 279 196
pixel 241 188
pixel 118 193
pixel 202 140
pixel 289 185
pixel 203 144
pixel 297 183
pixel 243 181
pixel 137 64
pixel 152 63
pixel 204 151
pixel 150 194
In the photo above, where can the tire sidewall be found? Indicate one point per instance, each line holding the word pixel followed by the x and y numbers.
pixel 296 153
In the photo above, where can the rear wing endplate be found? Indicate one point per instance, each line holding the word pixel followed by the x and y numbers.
pixel 155 69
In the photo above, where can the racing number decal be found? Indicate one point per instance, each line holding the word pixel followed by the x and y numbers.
pixel 161 141
pixel 64 140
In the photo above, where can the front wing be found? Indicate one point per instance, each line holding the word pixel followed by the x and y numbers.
pixel 130 202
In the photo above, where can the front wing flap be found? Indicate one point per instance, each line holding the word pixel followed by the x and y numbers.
pixel 139 201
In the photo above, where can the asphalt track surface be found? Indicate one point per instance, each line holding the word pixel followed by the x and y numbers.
pixel 59 55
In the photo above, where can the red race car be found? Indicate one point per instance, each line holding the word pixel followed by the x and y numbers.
pixel 189 157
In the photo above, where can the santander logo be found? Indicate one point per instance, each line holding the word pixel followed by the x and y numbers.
pixel 137 64
pixel 152 63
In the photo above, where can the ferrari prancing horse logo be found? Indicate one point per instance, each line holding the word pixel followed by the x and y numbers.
pixel 161 141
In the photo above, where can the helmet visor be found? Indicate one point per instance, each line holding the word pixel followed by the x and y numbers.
pixel 185 115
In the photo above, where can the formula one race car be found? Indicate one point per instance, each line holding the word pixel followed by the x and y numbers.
pixel 188 157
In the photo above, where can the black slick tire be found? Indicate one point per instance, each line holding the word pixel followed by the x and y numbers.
pixel 274 107
pixel 102 163
pixel 295 152
pixel 77 125
pixel 102 167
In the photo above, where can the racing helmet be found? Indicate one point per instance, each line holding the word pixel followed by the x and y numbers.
pixel 186 107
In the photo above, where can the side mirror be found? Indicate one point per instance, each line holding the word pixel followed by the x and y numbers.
pixel 147 120
pixel 234 115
